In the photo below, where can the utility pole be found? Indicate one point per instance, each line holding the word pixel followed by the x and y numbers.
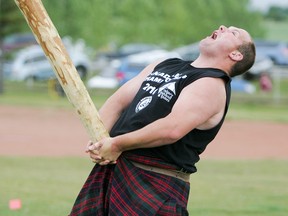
pixel 1 56
pixel 1 68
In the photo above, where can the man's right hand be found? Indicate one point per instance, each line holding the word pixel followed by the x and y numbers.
pixel 93 150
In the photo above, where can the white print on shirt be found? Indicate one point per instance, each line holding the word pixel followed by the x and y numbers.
pixel 167 91
pixel 170 86
pixel 143 103
pixel 154 79
pixel 160 77
pixel 149 88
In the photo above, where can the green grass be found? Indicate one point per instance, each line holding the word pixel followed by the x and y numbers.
pixel 46 186
pixel 256 106
pixel 258 112
pixel 49 186
pixel 238 188
pixel 277 30
pixel 41 94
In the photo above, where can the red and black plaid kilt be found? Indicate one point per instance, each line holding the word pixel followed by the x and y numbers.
pixel 124 189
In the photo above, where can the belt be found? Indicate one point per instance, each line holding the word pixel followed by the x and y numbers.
pixel 169 172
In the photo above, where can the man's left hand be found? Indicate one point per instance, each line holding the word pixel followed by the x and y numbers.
pixel 103 152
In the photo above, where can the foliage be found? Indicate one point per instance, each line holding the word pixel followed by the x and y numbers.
pixel 11 19
pixel 166 22
pixel 277 30
pixel 277 13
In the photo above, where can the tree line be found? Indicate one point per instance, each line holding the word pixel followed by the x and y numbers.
pixel 277 13
pixel 167 22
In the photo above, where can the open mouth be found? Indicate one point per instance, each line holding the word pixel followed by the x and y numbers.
pixel 214 35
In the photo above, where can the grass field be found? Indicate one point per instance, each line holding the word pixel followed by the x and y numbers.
pixel 240 188
pixel 277 30
pixel 49 186
pixel 46 186
pixel 256 106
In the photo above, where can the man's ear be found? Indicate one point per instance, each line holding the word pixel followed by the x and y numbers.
pixel 236 55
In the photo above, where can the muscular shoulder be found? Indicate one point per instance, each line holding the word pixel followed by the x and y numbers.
pixel 209 96
pixel 207 86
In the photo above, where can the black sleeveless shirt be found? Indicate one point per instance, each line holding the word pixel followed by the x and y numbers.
pixel 155 100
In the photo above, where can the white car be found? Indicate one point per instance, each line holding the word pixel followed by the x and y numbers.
pixel 31 63
pixel 128 67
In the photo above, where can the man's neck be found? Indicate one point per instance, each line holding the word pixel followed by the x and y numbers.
pixel 202 62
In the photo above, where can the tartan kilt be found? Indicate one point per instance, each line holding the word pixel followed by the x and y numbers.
pixel 123 189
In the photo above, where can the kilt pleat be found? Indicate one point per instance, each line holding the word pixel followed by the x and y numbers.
pixel 123 189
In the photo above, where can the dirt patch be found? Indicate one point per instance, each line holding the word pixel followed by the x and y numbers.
pixel 59 132
pixel 41 132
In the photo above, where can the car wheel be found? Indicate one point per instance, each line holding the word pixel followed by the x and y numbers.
pixel 249 76
pixel 30 81
pixel 82 71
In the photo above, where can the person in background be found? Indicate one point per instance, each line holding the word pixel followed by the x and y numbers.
pixel 265 82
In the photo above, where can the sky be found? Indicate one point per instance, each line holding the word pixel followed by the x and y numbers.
pixel 264 5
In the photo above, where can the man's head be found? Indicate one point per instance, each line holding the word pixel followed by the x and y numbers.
pixel 234 46
pixel 247 49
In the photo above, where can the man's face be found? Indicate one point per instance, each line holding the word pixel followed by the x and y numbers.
pixel 224 40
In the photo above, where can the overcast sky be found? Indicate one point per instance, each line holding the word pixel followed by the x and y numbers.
pixel 265 4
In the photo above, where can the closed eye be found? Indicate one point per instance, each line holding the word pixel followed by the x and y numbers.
pixel 235 33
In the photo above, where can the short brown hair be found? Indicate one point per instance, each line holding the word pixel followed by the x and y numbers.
pixel 247 49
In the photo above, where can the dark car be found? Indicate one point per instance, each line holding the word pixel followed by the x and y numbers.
pixel 130 49
pixel 17 41
pixel 133 64
pixel 277 51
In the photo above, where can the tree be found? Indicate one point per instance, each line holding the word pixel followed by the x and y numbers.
pixel 167 22
pixel 277 13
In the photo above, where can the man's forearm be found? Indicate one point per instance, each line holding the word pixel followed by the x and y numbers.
pixel 156 134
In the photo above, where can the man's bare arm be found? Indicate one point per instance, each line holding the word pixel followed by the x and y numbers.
pixel 115 104
pixel 200 104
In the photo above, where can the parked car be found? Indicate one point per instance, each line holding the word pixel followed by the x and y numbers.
pixel 108 63
pixel 277 51
pixel 122 70
pixel 17 41
pixel 102 82
pixel 31 63
pixel 130 49
pixel 106 79
pixel 263 64
pixel 6 68
pixel 239 84
pixel 134 64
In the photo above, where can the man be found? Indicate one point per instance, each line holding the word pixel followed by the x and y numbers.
pixel 160 122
